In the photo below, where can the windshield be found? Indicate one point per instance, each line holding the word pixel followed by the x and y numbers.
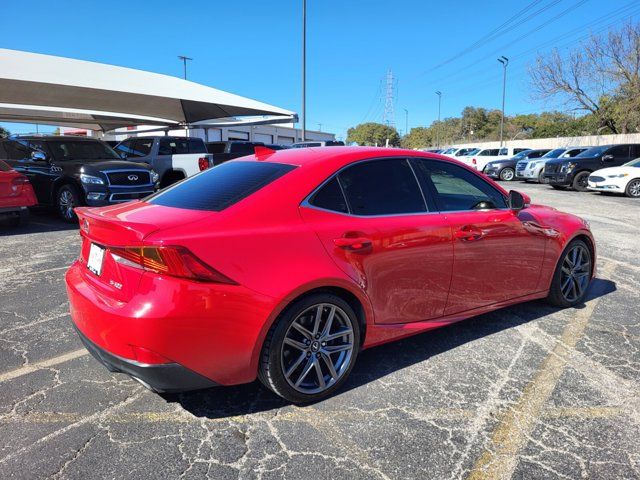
pixel 521 155
pixel 555 153
pixel 633 163
pixel 593 151
pixel 88 150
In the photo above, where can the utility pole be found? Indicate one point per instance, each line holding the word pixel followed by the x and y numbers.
pixel 504 61
pixel 304 70
pixel 439 93
pixel 406 121
pixel 184 64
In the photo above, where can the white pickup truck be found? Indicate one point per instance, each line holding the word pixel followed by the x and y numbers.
pixel 480 159
pixel 173 158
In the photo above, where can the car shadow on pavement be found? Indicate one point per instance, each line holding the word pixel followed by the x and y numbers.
pixel 41 220
pixel 377 362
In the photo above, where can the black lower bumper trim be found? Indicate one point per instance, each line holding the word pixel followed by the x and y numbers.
pixel 163 378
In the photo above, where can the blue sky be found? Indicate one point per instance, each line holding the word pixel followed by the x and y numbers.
pixel 252 48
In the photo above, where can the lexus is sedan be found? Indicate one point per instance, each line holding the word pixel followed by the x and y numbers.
pixel 285 265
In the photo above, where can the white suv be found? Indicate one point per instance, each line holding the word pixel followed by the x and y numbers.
pixel 480 159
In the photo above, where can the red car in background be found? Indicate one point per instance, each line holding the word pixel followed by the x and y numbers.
pixel 284 265
pixel 16 194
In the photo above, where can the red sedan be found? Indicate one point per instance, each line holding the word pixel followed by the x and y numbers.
pixel 16 194
pixel 284 265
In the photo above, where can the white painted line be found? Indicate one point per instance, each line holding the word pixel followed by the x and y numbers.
pixel 33 367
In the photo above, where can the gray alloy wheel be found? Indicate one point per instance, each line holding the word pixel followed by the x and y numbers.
pixel 67 199
pixel 317 348
pixel 507 174
pixel 311 348
pixel 633 188
pixel 575 272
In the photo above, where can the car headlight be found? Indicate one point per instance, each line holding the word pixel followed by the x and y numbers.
pixel 621 175
pixel 84 178
pixel 154 176
pixel 568 167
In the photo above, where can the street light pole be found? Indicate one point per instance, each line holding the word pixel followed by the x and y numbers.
pixel 184 64
pixel 406 121
pixel 504 61
pixel 304 70
pixel 438 129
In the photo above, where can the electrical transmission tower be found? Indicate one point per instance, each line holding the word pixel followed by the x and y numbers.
pixel 389 117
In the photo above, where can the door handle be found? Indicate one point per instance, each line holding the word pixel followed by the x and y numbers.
pixel 353 244
pixel 468 233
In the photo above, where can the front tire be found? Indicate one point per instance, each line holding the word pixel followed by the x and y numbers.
pixel 572 276
pixel 507 174
pixel 580 182
pixel 541 176
pixel 311 349
pixel 633 188
pixel 67 198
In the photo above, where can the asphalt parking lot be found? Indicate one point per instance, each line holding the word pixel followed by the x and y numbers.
pixel 525 392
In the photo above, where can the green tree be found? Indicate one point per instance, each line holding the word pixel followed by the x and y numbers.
pixel 4 132
pixel 418 137
pixel 373 134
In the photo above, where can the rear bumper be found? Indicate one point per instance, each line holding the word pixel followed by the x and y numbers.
pixel 212 330
pixel 162 378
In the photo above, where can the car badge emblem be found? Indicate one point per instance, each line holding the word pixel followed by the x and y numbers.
pixel 133 178
pixel 85 226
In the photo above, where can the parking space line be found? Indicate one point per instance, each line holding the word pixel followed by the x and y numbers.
pixel 33 367
pixel 500 458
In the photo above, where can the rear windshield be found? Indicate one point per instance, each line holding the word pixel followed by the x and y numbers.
pixel 181 146
pixel 220 187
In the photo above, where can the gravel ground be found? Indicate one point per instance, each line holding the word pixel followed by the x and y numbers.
pixel 524 392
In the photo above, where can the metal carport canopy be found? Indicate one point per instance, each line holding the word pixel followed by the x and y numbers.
pixel 36 88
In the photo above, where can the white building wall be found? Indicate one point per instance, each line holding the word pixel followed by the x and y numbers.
pixel 556 142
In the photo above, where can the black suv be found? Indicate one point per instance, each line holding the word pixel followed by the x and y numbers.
pixel 574 172
pixel 67 172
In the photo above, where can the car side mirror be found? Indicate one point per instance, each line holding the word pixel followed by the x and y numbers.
pixel 518 201
pixel 607 158
pixel 38 156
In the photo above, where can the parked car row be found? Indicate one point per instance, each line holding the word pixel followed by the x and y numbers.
pixel 605 168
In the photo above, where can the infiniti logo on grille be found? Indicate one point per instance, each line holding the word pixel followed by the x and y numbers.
pixel 133 178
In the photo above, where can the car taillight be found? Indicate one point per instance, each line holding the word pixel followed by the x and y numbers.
pixel 21 180
pixel 174 261
pixel 203 163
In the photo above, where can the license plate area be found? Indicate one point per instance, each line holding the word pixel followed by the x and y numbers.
pixel 96 259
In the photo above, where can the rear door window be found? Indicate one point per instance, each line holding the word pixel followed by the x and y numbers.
pixel 220 187
pixel 382 187
pixel 619 152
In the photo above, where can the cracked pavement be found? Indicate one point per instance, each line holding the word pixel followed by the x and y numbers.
pixel 525 392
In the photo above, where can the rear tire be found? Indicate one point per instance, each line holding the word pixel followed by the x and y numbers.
pixel 580 181
pixel 507 174
pixel 633 188
pixel 572 276
pixel 303 359
pixel 67 198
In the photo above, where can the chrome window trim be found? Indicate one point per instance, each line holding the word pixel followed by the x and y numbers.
pixel 307 200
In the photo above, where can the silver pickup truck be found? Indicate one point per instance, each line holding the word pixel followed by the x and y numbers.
pixel 173 158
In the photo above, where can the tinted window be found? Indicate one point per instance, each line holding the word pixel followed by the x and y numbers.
pixel 573 153
pixel 504 151
pixel 215 147
pixel 621 151
pixel 220 187
pixel 243 147
pixel 330 197
pixel 180 146
pixel 14 151
pixel 142 147
pixel 635 151
pixel 456 188
pixel 519 150
pixel 382 187
pixel 536 153
pixel 555 153
pixel 85 150
pixel 593 151
pixel 489 153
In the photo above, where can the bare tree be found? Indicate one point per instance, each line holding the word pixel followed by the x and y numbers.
pixel 601 77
